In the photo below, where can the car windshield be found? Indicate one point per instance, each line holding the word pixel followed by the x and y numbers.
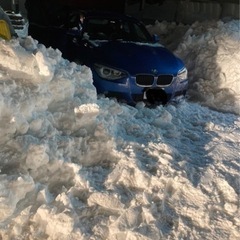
pixel 111 29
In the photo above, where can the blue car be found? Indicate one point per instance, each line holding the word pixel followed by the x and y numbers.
pixel 127 63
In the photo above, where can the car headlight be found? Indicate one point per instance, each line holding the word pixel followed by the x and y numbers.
pixel 182 75
pixel 108 73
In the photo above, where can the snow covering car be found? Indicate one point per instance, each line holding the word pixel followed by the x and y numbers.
pixel 127 63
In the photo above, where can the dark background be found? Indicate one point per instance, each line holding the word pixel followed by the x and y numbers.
pixel 185 11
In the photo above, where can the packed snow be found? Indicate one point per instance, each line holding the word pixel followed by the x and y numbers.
pixel 75 165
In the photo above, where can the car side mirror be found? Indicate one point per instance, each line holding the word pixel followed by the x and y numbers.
pixel 155 38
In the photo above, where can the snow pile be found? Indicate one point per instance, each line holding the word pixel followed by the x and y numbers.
pixel 214 46
pixel 170 33
pixel 74 166
pixel 211 52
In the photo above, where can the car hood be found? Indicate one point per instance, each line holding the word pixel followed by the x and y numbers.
pixel 137 57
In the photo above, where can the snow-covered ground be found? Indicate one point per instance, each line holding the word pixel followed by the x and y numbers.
pixel 74 166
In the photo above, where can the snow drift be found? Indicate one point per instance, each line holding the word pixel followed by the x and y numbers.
pixel 77 166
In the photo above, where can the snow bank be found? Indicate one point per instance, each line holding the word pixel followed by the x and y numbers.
pixel 211 53
pixel 74 166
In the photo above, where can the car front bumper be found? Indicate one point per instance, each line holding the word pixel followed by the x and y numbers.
pixel 127 90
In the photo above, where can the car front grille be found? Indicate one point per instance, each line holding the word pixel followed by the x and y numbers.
pixel 148 80
pixel 145 80
pixel 164 80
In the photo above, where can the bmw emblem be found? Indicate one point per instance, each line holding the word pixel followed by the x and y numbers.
pixel 154 71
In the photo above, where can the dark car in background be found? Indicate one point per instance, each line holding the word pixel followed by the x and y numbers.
pixel 126 61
